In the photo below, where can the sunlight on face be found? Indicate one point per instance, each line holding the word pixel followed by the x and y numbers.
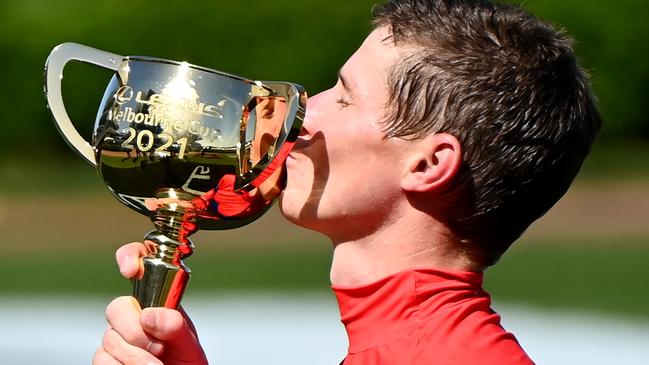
pixel 342 169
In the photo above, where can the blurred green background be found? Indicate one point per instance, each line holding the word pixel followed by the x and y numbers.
pixel 60 227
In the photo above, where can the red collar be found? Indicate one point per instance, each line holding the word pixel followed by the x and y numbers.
pixel 387 309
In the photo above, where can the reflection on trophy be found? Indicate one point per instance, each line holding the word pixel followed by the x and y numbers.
pixel 190 147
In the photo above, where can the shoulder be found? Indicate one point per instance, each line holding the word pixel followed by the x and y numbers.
pixel 468 334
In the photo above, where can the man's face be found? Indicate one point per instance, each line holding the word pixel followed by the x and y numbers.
pixel 343 175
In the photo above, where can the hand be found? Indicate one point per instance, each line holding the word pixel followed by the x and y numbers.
pixel 149 336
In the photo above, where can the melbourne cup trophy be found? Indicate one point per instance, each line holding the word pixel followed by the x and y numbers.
pixel 190 147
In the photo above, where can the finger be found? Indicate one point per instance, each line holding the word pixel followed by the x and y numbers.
pixel 164 323
pixel 124 353
pixel 175 330
pixel 128 259
pixel 123 315
pixel 188 320
pixel 103 358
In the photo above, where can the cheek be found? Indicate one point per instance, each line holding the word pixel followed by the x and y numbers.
pixel 362 175
pixel 299 179
pixel 361 185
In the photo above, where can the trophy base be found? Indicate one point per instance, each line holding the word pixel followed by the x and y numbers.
pixel 165 275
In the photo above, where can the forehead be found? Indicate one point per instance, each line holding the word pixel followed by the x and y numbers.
pixel 371 62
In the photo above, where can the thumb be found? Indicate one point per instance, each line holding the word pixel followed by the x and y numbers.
pixel 129 259
pixel 175 331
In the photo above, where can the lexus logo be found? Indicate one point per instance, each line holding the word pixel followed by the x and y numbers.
pixel 124 94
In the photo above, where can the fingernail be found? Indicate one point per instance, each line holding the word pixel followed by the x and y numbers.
pixel 155 348
pixel 154 363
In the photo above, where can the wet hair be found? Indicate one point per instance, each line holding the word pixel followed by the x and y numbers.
pixel 509 87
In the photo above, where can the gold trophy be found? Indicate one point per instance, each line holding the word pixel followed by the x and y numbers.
pixel 190 147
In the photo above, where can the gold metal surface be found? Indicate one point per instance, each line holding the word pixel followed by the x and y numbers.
pixel 190 147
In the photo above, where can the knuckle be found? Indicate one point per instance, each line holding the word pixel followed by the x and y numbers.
pixel 98 357
pixel 110 342
pixel 135 338
pixel 137 357
pixel 114 307
pixel 132 248
pixel 114 342
pixel 114 347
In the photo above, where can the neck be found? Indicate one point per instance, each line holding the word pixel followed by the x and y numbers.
pixel 406 244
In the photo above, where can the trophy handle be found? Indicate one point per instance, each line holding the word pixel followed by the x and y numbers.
pixel 58 58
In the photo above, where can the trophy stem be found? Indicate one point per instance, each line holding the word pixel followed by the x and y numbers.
pixel 165 275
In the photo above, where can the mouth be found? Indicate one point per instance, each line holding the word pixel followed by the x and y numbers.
pixel 297 149
pixel 290 159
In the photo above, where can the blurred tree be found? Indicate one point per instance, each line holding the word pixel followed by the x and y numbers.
pixel 611 41
pixel 304 42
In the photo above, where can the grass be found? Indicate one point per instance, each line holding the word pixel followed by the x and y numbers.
pixel 94 272
pixel 615 160
pixel 598 275
pixel 45 255
pixel 578 275
pixel 609 161
pixel 31 176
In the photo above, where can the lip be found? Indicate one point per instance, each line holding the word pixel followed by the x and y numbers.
pixel 290 159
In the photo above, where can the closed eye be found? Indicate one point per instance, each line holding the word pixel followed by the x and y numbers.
pixel 343 102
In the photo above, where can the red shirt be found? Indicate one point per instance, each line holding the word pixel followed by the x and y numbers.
pixel 425 316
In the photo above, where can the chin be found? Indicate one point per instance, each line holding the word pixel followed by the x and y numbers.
pixel 289 207
pixel 297 211
pixel 286 208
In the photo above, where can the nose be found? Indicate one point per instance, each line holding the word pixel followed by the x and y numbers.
pixel 311 116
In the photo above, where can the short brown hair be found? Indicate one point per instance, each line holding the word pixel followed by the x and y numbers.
pixel 508 86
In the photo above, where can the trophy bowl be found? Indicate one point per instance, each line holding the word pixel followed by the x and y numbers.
pixel 190 147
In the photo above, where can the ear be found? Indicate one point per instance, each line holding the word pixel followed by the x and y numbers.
pixel 434 163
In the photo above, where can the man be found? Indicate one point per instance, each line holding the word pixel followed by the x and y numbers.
pixel 453 127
